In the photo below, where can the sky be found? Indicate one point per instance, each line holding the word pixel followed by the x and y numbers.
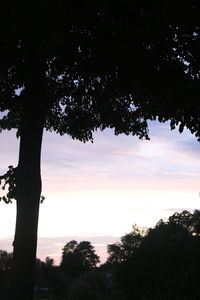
pixel 97 191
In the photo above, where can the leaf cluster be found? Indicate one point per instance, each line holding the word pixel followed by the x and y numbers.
pixel 9 179
pixel 8 182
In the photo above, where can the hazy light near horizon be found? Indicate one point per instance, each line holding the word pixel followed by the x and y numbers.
pixel 112 214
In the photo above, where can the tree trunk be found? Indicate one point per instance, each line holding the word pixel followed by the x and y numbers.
pixel 28 198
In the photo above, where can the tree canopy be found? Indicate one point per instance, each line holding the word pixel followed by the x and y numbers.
pixel 165 264
pixel 78 258
pixel 101 64
pixel 126 248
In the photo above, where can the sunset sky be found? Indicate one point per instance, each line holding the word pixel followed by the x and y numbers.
pixel 97 191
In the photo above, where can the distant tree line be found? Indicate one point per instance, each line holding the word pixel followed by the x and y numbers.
pixel 160 263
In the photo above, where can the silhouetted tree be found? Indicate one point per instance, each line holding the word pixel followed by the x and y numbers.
pixel 166 264
pixel 126 248
pixel 48 269
pixel 78 258
pixel 49 262
pixel 86 65
pixel 190 221
pixel 120 253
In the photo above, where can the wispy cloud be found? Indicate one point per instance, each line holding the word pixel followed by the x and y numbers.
pixel 120 159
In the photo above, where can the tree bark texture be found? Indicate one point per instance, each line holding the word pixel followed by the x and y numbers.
pixel 28 199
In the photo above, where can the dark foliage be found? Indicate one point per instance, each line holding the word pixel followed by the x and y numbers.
pixel 166 264
pixel 91 285
pixel 6 260
pixel 78 258
pixel 101 64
